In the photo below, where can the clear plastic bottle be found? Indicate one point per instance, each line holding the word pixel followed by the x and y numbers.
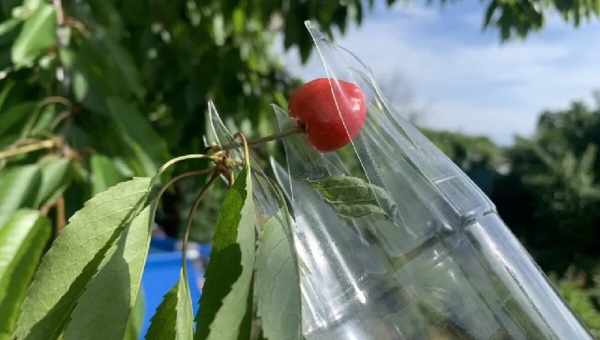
pixel 441 265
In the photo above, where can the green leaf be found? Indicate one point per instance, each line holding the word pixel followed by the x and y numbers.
pixel 111 295
pixel 18 188
pixel 55 178
pixel 174 317
pixel 8 86
pixel 136 319
pixel 38 34
pixel 125 67
pixel 148 148
pixel 228 285
pixel 22 242
pixel 14 118
pixel 277 285
pixel 75 256
pixel 104 173
pixel 353 197
pixel 8 25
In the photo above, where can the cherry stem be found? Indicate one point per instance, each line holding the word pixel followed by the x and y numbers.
pixel 265 139
pixel 188 226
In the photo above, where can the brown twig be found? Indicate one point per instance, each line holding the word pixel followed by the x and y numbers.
pixel 44 144
pixel 253 142
pixel 60 12
pixel 188 226
pixel 60 214
pixel 56 100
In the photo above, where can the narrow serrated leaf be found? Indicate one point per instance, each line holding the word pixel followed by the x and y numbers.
pixel 18 188
pixel 353 197
pixel 14 118
pixel 135 131
pixel 22 242
pixel 37 35
pixel 277 285
pixel 104 173
pixel 174 317
pixel 75 256
pixel 136 319
pixel 8 25
pixel 55 177
pixel 224 302
pixel 110 296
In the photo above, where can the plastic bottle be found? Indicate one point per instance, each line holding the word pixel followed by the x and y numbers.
pixel 436 262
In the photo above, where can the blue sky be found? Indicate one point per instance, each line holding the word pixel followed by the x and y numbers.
pixel 439 61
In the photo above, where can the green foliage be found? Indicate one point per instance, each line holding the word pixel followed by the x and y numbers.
pixel 478 156
pixel 226 303
pixel 519 18
pixel 581 299
pixel 55 174
pixel 111 295
pixel 174 318
pixel 277 289
pixel 93 93
pixel 18 189
pixel 136 319
pixel 36 36
pixel 555 176
pixel 353 197
pixel 69 267
pixel 22 241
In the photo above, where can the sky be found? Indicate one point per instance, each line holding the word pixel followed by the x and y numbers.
pixel 439 61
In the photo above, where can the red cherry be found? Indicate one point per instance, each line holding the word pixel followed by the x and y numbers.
pixel 314 107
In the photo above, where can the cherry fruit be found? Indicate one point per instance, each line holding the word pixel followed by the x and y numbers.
pixel 315 106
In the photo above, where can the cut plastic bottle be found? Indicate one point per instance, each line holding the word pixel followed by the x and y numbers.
pixel 394 241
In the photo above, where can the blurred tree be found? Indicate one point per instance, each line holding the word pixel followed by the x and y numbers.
pixel 556 172
pixel 478 156
pixel 520 17
pixel 117 87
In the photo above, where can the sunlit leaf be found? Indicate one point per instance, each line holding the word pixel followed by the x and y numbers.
pixel 14 117
pixel 110 296
pixel 174 317
pixel 277 285
pixel 55 177
pixel 136 319
pixel 22 241
pixel 75 256
pixel 104 173
pixel 227 290
pixel 146 145
pixel 354 197
pixel 37 35
pixel 18 188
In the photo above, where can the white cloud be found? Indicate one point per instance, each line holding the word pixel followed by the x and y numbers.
pixel 469 80
pixel 415 11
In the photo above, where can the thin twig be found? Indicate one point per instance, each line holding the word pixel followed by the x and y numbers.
pixel 168 164
pixel 188 225
pixel 55 100
pixel 44 144
pixel 252 142
pixel 179 177
pixel 60 12
pixel 246 144
pixel 60 214
pixel 58 119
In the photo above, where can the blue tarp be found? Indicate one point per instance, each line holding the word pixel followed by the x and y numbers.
pixel 162 271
